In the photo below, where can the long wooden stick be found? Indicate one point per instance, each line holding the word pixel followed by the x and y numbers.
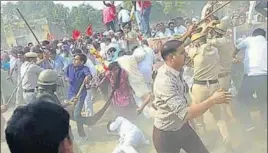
pixel 214 11
pixel 29 27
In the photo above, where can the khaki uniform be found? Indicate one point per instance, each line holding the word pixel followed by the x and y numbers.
pixel 225 48
pixel 206 68
pixel 29 75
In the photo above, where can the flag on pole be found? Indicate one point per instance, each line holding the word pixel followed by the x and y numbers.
pixel 76 34
pixel 89 30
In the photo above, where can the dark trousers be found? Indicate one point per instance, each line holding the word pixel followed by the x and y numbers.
pixel 110 26
pixel 246 101
pixel 173 141
pixel 77 116
pixel 126 23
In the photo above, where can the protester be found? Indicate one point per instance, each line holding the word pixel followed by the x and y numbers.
pixel 124 17
pixel 142 93
pixel 163 31
pixel 108 16
pixel 146 65
pixel 145 10
pixel 255 78
pixel 118 78
pixel 56 61
pixel 17 70
pixel 130 135
pixel 135 71
pixel 77 74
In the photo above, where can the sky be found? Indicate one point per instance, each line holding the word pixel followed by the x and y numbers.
pixel 95 4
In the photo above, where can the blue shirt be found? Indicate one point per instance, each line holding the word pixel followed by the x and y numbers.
pixel 76 76
pixel 45 64
pixel 58 63
pixel 5 66
pixel 67 61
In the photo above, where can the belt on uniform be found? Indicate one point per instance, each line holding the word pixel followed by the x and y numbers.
pixel 205 82
pixel 222 75
pixel 29 90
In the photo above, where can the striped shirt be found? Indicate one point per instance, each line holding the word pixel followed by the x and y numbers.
pixel 170 99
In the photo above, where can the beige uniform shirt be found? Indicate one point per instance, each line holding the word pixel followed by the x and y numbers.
pixel 206 62
pixel 29 75
pixel 225 48
pixel 136 79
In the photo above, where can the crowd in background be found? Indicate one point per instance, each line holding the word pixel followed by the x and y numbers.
pixel 124 60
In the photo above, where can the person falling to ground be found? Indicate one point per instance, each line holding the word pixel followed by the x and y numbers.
pixel 130 135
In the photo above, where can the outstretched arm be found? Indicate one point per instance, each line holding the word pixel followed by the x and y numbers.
pixel 148 99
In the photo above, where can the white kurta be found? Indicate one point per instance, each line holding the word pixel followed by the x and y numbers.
pixel 136 79
pixel 130 135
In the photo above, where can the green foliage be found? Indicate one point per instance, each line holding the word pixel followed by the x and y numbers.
pixel 76 18
pixel 127 4
pixel 81 16
pixel 170 6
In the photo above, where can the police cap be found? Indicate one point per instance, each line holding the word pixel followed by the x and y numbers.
pixel 31 55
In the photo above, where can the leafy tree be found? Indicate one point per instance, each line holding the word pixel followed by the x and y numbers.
pixel 81 16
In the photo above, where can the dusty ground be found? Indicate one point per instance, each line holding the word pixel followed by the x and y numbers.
pixel 102 142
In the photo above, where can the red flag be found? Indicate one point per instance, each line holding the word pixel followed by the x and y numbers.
pixel 89 31
pixel 76 34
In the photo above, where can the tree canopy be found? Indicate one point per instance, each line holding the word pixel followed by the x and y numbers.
pixel 81 16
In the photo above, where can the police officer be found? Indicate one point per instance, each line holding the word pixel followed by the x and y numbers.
pixel 29 74
pixel 225 48
pixel 47 86
pixel 206 69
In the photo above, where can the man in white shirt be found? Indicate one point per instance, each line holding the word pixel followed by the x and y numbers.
pixel 106 45
pixel 17 69
pixel 136 79
pixel 255 78
pixel 13 59
pixel 163 31
pixel 124 17
pixel 146 65
pixel 130 135
pixel 180 29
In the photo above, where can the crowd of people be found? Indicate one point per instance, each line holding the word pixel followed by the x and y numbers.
pixel 175 93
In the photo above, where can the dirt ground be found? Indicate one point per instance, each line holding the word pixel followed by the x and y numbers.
pixel 100 141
